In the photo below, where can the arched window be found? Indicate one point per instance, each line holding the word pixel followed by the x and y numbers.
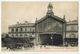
pixel 12 30
pixel 25 29
pixel 20 34
pixel 21 29
pixel 16 29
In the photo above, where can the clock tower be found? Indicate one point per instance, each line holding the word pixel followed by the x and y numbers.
pixel 50 9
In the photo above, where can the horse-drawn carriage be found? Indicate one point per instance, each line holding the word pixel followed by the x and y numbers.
pixel 17 43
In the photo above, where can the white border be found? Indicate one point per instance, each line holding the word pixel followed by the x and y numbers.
pixel 38 52
pixel 40 0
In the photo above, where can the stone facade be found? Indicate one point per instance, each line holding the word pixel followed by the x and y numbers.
pixel 72 29
pixel 22 30
pixel 72 32
pixel 49 25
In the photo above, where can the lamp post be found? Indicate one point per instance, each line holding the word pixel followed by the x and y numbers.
pixel 52 39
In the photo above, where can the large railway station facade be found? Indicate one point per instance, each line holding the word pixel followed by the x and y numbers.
pixel 49 30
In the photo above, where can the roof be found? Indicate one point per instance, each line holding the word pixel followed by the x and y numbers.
pixel 53 17
pixel 72 22
pixel 22 25
pixel 58 18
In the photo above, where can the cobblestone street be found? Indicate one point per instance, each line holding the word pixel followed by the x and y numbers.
pixel 45 49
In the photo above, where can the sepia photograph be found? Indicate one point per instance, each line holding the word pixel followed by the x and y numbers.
pixel 39 26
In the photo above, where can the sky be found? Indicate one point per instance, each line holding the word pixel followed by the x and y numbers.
pixel 13 12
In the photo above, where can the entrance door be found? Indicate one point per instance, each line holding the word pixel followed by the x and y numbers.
pixel 45 39
pixel 51 39
pixel 57 39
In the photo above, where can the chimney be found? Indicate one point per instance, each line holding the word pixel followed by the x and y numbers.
pixel 18 23
pixel 26 22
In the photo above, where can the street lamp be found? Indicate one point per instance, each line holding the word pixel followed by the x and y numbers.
pixel 52 39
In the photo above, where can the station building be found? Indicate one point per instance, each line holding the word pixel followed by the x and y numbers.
pixel 72 32
pixel 22 32
pixel 50 29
